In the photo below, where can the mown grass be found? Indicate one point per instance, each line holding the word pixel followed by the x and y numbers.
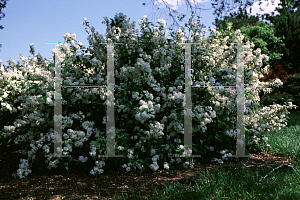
pixel 282 183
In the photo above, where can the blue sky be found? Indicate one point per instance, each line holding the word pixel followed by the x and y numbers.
pixel 46 21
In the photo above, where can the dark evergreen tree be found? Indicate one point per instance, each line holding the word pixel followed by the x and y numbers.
pixel 287 26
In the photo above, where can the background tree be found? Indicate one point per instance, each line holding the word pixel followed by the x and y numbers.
pixel 260 33
pixel 221 11
pixel 173 13
pixel 286 4
pixel 287 26
pixel 2 5
pixel 218 11
pixel 274 40
pixel 238 20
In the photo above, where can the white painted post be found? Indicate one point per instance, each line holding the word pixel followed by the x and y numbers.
pixel 57 108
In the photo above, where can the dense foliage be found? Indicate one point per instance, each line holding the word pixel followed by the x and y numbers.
pixel 238 20
pixel 290 90
pixel 263 36
pixel 287 26
pixel 271 39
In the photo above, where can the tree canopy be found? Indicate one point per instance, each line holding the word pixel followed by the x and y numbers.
pixel 217 5
pixel 287 26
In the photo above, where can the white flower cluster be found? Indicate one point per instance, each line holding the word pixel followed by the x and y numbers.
pixel 98 168
pixel 82 159
pixel 190 163
pixel 225 154
pixel 127 166
pixel 130 155
pixel 23 170
pixel 154 166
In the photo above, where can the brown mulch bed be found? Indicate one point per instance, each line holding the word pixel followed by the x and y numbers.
pixel 73 185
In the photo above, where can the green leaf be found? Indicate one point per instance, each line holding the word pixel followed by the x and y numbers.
pixel 135 111
pixel 127 105
pixel 134 167
pixel 142 170
pixel 217 137
pixel 41 97
pixel 201 141
pixel 160 142
pixel 179 108
pixel 33 86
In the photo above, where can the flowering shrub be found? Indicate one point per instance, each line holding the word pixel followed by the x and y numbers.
pixel 149 101
pixel 278 95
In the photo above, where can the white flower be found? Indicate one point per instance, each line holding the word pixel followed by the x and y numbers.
pixel 84 18
pixel 162 21
pixel 93 153
pixel 144 18
pixel 130 156
pixel 130 151
pixel 80 44
pixel 95 168
pixel 154 158
pixel 154 166
pixel 265 138
pixel 166 166
pixel 120 148
pixel 67 35
pixel 73 36
pixel 152 151
pixel 82 159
